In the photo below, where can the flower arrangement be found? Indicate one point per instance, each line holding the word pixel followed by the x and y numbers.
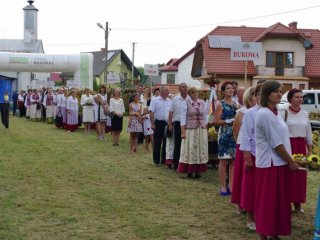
pixel 312 162
pixel 89 102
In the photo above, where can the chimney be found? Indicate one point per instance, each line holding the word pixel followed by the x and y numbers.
pixel 30 22
pixel 293 25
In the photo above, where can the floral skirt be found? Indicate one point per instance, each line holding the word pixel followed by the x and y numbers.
pixel 194 148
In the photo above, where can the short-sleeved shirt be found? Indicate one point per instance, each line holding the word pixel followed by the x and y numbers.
pixel 160 107
pixel 177 107
pixel 271 131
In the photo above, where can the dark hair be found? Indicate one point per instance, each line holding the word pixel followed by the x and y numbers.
pixel 266 89
pixel 257 89
pixel 292 92
pixel 260 81
pixel 224 85
pixel 155 89
pixel 103 87
pixel 234 83
pixel 134 95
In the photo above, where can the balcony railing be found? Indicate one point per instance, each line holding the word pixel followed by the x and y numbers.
pixel 280 71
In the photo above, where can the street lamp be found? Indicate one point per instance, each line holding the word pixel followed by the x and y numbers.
pixel 106 30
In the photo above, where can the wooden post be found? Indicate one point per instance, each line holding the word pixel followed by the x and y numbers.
pixel 245 74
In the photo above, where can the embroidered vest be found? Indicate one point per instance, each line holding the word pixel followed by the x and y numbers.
pixel 196 114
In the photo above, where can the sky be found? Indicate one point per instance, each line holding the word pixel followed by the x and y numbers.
pixel 161 30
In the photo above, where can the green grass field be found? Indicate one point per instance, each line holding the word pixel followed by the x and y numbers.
pixel 59 185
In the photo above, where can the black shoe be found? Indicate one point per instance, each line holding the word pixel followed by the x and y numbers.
pixel 190 175
pixel 197 175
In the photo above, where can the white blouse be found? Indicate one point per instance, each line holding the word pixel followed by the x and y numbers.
pixel 117 106
pixel 271 131
pixel 247 137
pixel 72 103
pixel 299 125
pixel 240 110
pixel 61 100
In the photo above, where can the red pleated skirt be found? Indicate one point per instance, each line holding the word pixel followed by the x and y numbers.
pixel 298 179
pixel 272 203
pixel 298 146
pixel 237 177
pixel 248 187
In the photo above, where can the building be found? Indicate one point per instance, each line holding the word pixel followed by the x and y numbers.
pixel 289 55
pixel 178 70
pixel 119 68
pixel 29 44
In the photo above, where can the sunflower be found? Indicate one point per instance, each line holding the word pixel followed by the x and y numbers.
pixel 314 158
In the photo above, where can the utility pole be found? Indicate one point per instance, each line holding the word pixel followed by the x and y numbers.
pixel 132 68
pixel 106 49
pixel 106 30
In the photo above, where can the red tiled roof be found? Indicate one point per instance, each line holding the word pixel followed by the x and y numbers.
pixel 277 29
pixel 173 88
pixel 217 60
pixel 169 67
pixel 312 67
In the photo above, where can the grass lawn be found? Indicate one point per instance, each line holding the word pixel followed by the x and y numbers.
pixel 59 185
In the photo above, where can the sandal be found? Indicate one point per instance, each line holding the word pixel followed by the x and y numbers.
pixel 251 226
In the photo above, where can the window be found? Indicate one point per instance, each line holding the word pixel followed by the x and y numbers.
pixel 302 86
pixel 171 78
pixel 308 98
pixel 279 59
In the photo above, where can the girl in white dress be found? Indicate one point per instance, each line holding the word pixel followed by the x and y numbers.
pixel 147 130
pixel 87 112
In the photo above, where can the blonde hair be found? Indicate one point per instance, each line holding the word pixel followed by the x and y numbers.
pixel 248 94
pixel 191 90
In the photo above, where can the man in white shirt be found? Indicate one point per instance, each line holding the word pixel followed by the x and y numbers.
pixel 159 111
pixel 175 112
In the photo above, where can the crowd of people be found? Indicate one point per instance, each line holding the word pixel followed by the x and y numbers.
pixel 255 139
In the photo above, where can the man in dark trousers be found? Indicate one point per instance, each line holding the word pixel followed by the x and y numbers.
pixel 5 108
pixel 176 110
pixel 159 111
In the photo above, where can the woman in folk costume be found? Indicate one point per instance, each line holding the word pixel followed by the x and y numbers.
pixel 272 210
pixel 72 112
pixel 194 146
pixel 27 103
pixel 35 107
pixel 101 110
pixel 87 112
pixel 300 133
pixel 49 105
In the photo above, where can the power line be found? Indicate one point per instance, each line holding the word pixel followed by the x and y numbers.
pixel 217 23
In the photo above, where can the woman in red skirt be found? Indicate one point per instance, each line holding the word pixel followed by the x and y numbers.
pixel 273 163
pixel 248 147
pixel 300 133
pixel 249 101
